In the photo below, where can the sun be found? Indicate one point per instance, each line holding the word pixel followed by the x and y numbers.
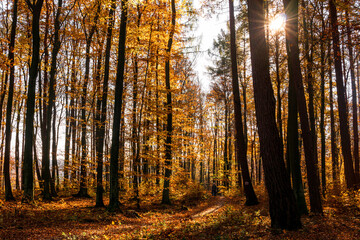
pixel 277 23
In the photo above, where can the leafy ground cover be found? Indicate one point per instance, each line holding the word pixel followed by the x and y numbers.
pixel 205 218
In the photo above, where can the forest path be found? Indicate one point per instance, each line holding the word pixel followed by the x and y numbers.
pixel 219 203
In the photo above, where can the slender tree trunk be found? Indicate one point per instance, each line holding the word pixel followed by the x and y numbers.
pixel 278 84
pixel 322 109
pixel 309 77
pixel 28 194
pixel 291 10
pixel 354 98
pixel 350 178
pixel 83 191
pixel 17 146
pixel 67 141
pixel 293 150
pixel 169 122
pixel 240 144
pixel 8 131
pixel 46 143
pixel 114 203
pixel 101 130
pixel 54 167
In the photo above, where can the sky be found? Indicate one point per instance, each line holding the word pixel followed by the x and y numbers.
pixel 208 29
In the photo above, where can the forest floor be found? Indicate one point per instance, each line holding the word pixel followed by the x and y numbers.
pixel 206 218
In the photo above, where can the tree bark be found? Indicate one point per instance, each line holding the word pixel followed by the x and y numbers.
pixel 35 8
pixel 342 104
pixel 168 105
pixel 8 131
pixel 240 144
pixel 282 203
pixel 354 94
pixel 114 203
pixel 292 46
pixel 104 97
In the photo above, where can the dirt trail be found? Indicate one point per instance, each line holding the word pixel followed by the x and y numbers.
pixel 221 201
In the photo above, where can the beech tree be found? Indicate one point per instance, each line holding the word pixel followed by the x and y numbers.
pixel 35 7
pixel 8 192
pixel 114 203
pixel 251 198
pixel 350 178
pixel 291 10
pixel 169 116
pixel 282 204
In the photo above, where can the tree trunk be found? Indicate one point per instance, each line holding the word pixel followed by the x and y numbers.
pixel 83 191
pixel 35 8
pixel 322 109
pixel 114 203
pixel 354 98
pixel 104 97
pixel 8 131
pixel 292 46
pixel 240 144
pixel 282 203
pixel 168 105
pixel 342 104
pixel 293 150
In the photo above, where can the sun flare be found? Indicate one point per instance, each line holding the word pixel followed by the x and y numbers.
pixel 277 23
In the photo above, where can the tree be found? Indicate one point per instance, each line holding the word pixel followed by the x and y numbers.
pixel 83 192
pixel 35 7
pixel 103 102
pixel 350 178
pixel 8 192
pixel 241 147
pixel 50 105
pixel 292 47
pixel 169 123
pixel 282 205
pixel 353 89
pixel 114 203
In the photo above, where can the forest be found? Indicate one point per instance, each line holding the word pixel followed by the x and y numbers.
pixel 108 131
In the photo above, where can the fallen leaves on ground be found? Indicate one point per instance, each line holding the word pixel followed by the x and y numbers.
pixel 212 218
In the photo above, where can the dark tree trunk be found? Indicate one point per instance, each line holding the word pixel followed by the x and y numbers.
pixel 46 143
pixel 104 97
pixel 35 8
pixel 114 203
pixel 309 77
pixel 169 122
pixel 354 98
pixel 322 109
pixel 8 131
pixel 240 145
pixel 291 10
pixel 46 119
pixel 282 203
pixel 294 152
pixel 342 103
pixel 278 92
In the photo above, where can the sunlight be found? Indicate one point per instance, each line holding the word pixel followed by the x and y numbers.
pixel 277 23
